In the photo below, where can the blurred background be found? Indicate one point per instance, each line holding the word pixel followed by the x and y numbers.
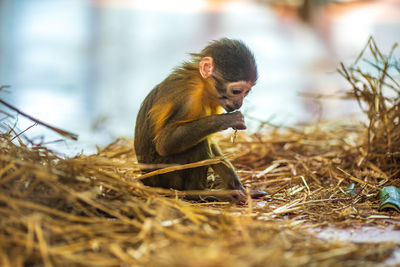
pixel 86 65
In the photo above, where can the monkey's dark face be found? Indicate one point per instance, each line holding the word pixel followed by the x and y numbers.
pixel 232 95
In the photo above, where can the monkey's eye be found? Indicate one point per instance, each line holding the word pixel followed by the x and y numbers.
pixel 236 91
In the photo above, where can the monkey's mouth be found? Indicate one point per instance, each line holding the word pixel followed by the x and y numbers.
pixel 229 108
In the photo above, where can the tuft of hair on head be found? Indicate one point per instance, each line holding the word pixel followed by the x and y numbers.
pixel 232 59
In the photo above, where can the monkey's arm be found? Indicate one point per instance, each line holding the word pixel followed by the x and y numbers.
pixel 176 138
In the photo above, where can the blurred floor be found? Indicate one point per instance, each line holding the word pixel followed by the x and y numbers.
pixel 86 65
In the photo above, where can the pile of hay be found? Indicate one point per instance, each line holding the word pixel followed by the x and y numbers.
pixel 93 211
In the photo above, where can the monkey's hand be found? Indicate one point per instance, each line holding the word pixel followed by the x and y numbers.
pixel 236 120
pixel 238 194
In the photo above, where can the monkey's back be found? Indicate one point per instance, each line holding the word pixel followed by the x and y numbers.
pixel 143 140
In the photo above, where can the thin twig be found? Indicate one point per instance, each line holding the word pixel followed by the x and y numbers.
pixel 57 130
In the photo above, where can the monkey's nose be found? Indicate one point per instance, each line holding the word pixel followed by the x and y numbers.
pixel 237 105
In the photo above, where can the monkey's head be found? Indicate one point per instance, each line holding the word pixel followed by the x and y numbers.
pixel 233 67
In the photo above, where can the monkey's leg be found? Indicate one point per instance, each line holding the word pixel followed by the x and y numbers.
pixel 228 174
pixel 174 180
pixel 195 180
pixel 226 171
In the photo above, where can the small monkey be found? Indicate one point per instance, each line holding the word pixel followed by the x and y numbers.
pixel 178 116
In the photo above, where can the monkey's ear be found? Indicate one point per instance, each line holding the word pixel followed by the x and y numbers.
pixel 206 67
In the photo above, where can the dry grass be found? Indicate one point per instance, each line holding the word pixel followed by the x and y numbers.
pixel 93 211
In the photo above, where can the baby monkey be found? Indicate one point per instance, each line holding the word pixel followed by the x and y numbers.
pixel 178 116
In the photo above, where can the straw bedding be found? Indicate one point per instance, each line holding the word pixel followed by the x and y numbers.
pixel 93 210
